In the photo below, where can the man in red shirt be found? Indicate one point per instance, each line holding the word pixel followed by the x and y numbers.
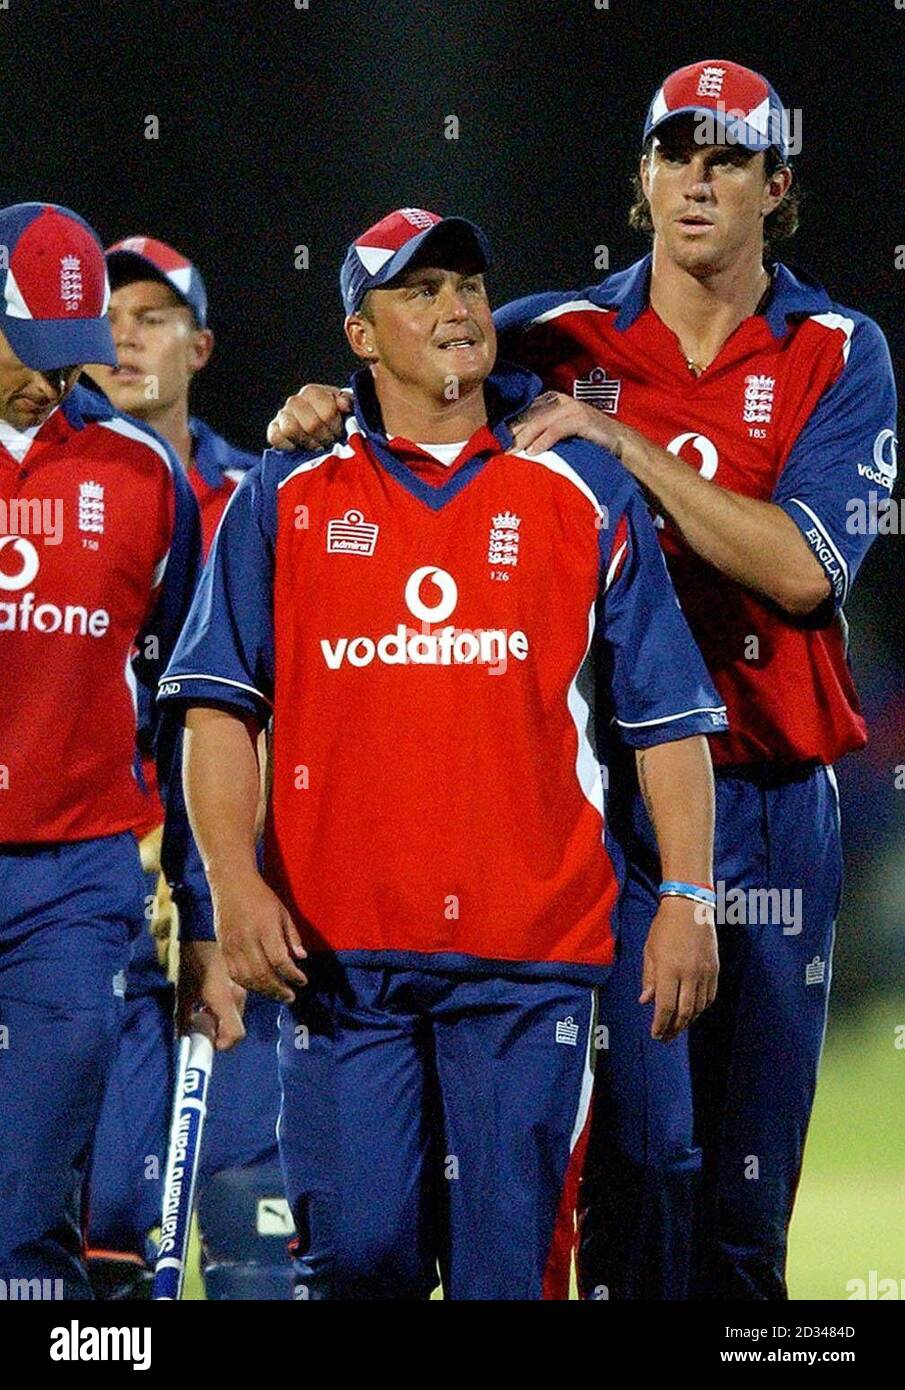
pixel 450 634
pixel 755 412
pixel 99 549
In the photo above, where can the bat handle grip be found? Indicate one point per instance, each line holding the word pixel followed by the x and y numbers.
pixel 203 1022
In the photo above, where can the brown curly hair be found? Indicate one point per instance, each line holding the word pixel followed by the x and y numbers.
pixel 781 223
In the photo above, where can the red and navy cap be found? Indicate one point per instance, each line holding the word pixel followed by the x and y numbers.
pixel 385 249
pixel 740 101
pixel 55 288
pixel 144 258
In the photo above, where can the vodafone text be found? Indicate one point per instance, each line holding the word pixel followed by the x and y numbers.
pixel 450 646
pixel 446 646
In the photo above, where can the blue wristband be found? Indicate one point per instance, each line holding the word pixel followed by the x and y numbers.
pixel 697 892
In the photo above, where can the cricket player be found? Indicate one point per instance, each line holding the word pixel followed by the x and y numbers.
pixel 753 410
pixel 158 315
pixel 449 634
pixel 99 550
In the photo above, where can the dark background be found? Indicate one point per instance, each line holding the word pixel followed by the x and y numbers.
pixel 284 126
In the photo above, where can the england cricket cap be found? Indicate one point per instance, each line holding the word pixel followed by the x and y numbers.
pixel 385 249
pixel 145 258
pixel 740 101
pixel 55 289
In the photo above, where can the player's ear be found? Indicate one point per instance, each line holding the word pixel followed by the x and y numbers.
pixel 202 345
pixel 360 333
pixel 644 175
pixel 776 187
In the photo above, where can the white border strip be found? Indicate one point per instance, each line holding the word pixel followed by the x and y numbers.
pixel 614 564
pixel 826 536
pixel 838 321
pixel 670 718
pixel 218 680
pixel 130 431
pixel 574 306
pixel 587 1081
pixel 341 451
pixel 587 768
pixel 557 464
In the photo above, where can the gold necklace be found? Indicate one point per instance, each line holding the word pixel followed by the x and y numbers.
pixel 696 368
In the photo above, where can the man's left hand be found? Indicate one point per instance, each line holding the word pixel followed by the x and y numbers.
pixel 681 965
pixel 554 416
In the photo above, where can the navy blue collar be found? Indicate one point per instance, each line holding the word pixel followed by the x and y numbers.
pixel 82 406
pixel 211 454
pixel 507 391
pixel 793 294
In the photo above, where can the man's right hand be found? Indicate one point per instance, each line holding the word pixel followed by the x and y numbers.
pixel 259 939
pixel 312 419
pixel 204 983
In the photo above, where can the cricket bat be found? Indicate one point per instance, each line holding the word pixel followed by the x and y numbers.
pixel 196 1059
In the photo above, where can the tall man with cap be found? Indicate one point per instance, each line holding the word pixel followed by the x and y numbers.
pixel 99 552
pixel 446 630
pixel 751 408
pixel 158 315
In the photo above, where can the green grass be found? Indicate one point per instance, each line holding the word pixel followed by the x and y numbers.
pixel 194 1284
pixel 850 1213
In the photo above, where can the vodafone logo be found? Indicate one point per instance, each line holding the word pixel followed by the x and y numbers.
pixel 28 567
pixel 884 469
pixel 431 595
pixel 443 583
pixel 28 616
pixel 703 447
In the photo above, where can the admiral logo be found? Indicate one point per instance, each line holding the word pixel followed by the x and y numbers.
pixel 598 389
pixel 352 535
pixel 449 646
pixel 26 615
pixel 815 971
pixel 567 1031
pixel 885 462
pixel 170 687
